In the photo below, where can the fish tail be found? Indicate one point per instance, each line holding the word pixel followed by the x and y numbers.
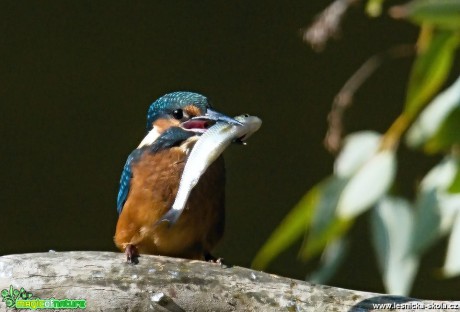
pixel 170 217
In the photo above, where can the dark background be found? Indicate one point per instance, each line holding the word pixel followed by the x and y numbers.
pixel 77 77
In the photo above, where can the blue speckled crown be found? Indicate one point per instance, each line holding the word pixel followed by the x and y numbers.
pixel 171 101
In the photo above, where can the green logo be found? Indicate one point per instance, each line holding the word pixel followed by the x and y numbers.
pixel 22 299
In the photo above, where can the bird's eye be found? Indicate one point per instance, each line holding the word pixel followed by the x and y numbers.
pixel 178 114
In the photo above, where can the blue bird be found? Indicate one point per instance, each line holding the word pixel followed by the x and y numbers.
pixel 150 180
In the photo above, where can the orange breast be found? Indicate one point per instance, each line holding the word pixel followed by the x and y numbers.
pixel 153 189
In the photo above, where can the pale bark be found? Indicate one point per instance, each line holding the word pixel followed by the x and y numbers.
pixel 108 283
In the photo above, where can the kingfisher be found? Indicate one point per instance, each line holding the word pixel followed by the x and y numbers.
pixel 150 180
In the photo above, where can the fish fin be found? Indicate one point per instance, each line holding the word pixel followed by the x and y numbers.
pixel 239 141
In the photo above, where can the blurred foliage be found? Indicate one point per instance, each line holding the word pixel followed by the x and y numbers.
pixel 366 165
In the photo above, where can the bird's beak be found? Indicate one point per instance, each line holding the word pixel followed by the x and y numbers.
pixel 200 124
pixel 216 116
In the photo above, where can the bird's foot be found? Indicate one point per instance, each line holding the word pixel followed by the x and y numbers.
pixel 132 254
pixel 210 258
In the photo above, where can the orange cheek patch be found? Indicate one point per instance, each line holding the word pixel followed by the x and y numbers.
pixel 163 123
pixel 192 110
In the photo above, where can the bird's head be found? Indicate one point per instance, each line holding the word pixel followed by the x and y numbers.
pixel 187 110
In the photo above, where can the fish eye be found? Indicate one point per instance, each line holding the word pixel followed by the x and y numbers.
pixel 246 115
pixel 178 114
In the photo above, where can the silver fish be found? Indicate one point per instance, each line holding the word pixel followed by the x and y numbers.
pixel 206 150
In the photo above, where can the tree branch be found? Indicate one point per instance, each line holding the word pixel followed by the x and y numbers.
pixel 157 283
pixel 344 99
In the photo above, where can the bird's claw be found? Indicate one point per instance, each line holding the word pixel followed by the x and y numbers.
pixel 132 254
pixel 210 258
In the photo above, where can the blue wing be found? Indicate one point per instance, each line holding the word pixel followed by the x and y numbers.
pixel 125 180
pixel 171 137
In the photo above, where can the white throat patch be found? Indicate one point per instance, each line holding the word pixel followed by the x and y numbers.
pixel 151 137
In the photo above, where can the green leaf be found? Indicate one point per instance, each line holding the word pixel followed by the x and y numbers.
pixel 291 228
pixel 439 13
pixel 434 208
pixel 324 218
pixel 441 175
pixel 367 185
pixel 455 186
pixel 434 115
pixel 427 223
pixel 452 263
pixel 315 244
pixel 447 135
pixel 374 7
pixel 430 70
pixel 358 148
pixel 331 259
pixel 325 209
pixel 392 223
pixel 440 178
